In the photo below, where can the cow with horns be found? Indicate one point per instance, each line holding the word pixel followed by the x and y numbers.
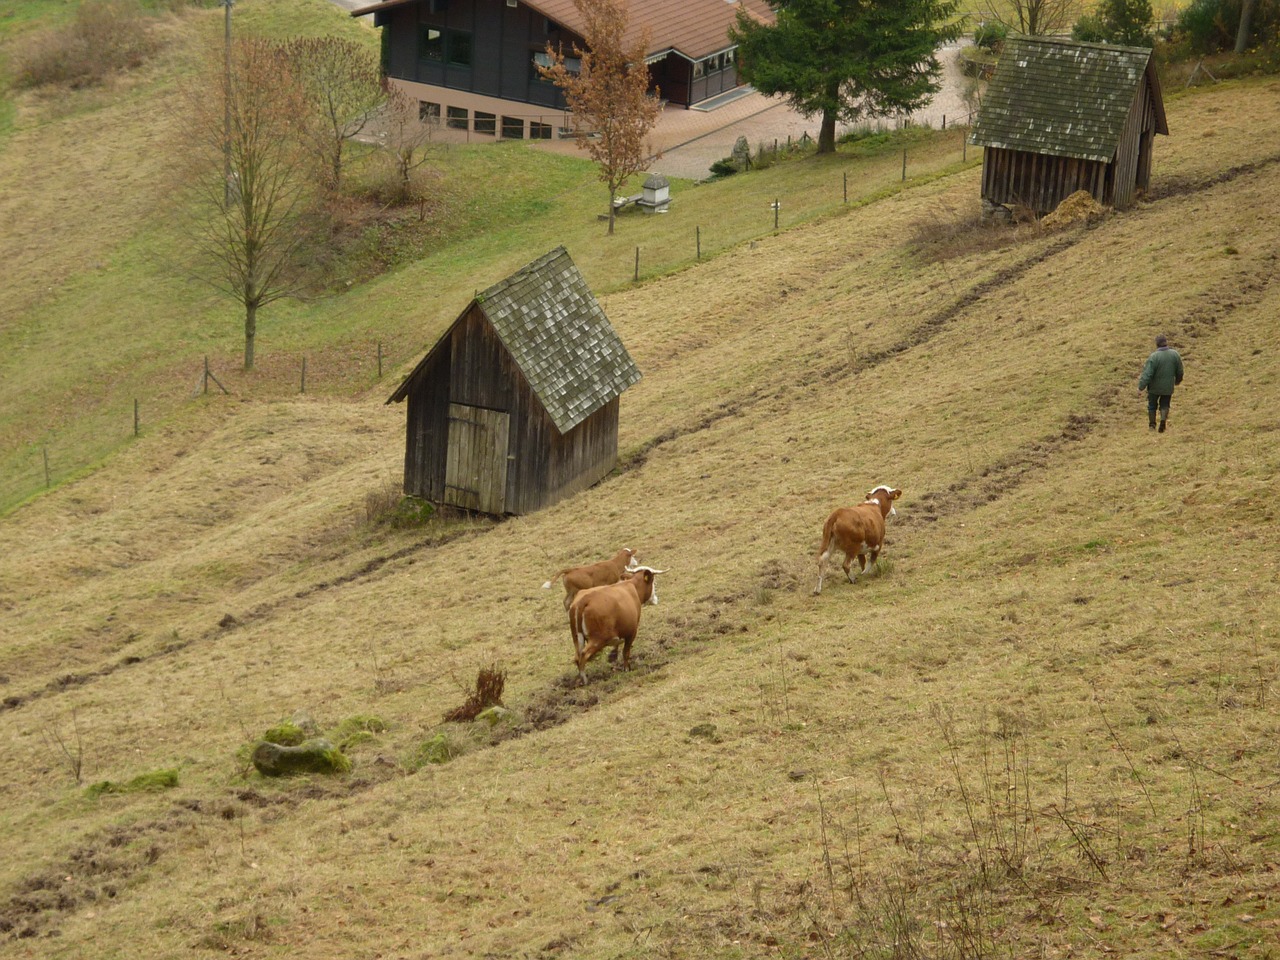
pixel 858 531
pixel 607 616
pixel 593 575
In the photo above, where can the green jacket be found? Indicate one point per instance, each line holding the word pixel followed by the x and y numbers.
pixel 1162 372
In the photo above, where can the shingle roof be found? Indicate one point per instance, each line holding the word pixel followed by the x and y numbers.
pixel 695 28
pixel 558 335
pixel 1062 98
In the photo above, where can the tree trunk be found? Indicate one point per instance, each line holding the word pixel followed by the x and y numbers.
pixel 827 132
pixel 1246 21
pixel 612 194
pixel 250 331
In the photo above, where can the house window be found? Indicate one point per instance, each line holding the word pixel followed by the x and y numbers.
pixel 512 128
pixel 542 59
pixel 539 131
pixel 699 70
pixel 431 44
pixel 459 48
pixel 486 123
pixel 457 117
pixel 428 112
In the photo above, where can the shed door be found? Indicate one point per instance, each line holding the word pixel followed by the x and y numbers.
pixel 475 473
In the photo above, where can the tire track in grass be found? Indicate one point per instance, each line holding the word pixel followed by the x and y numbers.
pixel 1199 321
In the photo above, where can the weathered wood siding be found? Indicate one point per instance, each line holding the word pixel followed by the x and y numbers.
pixel 1133 156
pixel 427 432
pixel 472 369
pixel 1039 181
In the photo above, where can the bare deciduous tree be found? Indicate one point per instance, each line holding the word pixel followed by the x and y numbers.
pixel 1036 18
pixel 608 94
pixel 343 85
pixel 249 226
pixel 407 135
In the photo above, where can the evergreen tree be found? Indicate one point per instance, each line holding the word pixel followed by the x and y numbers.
pixel 1127 22
pixel 847 60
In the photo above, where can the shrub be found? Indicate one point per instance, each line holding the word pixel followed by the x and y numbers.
pixel 989 36
pixel 106 36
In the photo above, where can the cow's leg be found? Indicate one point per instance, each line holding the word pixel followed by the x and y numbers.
pixel 872 557
pixel 848 566
pixel 626 652
pixel 579 644
pixel 823 557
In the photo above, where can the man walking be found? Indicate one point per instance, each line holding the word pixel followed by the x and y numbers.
pixel 1160 374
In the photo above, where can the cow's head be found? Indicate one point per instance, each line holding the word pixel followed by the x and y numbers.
pixel 630 556
pixel 883 496
pixel 645 586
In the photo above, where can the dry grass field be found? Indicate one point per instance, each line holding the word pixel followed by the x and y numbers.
pixel 1045 728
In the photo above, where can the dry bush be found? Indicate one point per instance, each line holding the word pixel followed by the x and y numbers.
pixel 488 693
pixel 106 36
pixel 949 233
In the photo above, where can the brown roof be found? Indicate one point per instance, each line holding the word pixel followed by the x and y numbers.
pixel 695 28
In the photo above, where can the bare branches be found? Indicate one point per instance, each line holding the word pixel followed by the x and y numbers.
pixel 609 93
pixel 342 84
pixel 248 229
pixel 72 752
pixel 1036 18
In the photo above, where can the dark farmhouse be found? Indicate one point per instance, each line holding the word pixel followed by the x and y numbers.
pixel 1060 116
pixel 516 406
pixel 472 63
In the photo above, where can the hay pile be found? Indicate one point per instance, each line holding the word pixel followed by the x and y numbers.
pixel 1079 206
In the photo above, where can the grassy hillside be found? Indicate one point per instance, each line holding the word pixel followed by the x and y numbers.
pixel 1046 728
pixel 101 309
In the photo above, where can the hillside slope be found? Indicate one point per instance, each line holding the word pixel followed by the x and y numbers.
pixel 1047 727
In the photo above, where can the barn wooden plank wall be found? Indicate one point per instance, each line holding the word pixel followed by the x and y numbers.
pixel 470 368
pixel 1039 181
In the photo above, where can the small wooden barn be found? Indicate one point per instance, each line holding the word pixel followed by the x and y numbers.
pixel 516 406
pixel 1060 116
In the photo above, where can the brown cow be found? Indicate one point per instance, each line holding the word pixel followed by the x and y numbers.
pixel 602 617
pixel 594 575
pixel 858 531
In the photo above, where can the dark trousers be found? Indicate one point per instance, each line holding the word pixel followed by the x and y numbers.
pixel 1161 400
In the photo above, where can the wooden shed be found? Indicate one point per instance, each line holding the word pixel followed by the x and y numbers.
pixel 516 406
pixel 1060 116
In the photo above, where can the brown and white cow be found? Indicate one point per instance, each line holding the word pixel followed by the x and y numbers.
pixel 858 531
pixel 606 616
pixel 593 575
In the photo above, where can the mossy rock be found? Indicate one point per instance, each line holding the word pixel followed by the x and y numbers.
pixel 496 715
pixel 286 734
pixel 439 749
pixel 144 782
pixel 313 756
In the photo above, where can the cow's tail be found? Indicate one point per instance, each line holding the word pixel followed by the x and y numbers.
pixel 547 585
pixel 828 531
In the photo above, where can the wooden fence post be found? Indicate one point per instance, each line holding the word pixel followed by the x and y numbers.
pixel 636 276
pixel 135 416
pixel 698 234
pixel 379 359
pixel 904 164
pixel 846 186
pixel 777 205
pixel 47 482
